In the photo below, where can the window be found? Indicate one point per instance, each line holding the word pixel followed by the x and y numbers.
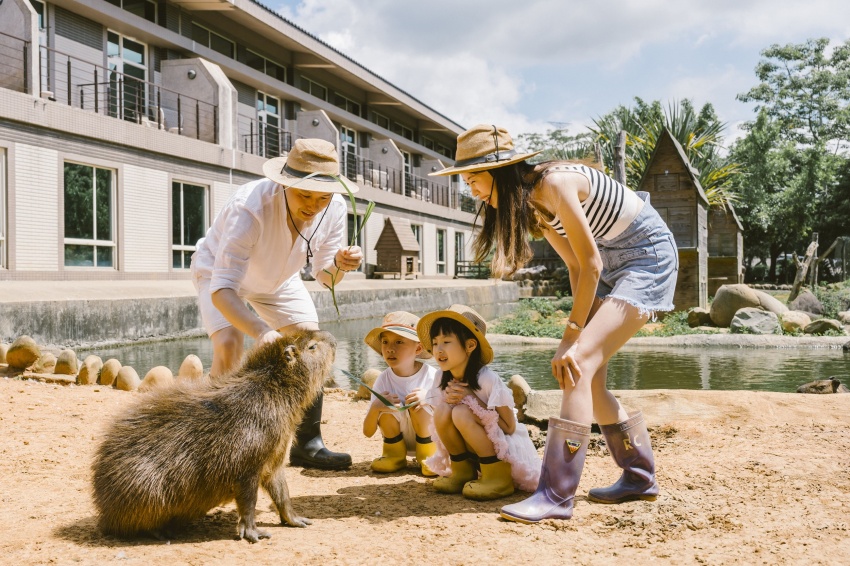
pixel 128 72
pixel 2 209
pixel 270 68
pixel 346 104
pixel 39 8
pixel 348 145
pixel 402 130
pixel 143 8
pixel 189 206
pixel 460 253
pixel 417 231
pixel 428 143
pixel 314 88
pixel 89 216
pixel 214 41
pixel 441 251
pixel 381 120
pixel 270 136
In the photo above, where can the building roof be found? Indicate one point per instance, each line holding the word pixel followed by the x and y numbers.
pixel 400 230
pixel 667 137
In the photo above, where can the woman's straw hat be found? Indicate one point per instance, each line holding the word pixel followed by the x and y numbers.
pixel 309 156
pixel 464 315
pixel 484 147
pixel 402 323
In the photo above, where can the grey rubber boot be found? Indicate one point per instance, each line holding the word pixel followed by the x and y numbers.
pixel 563 461
pixel 629 444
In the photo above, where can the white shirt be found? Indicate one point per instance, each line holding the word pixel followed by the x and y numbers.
pixel 402 386
pixel 493 391
pixel 249 247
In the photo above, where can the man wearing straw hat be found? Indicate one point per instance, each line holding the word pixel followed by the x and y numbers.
pixel 254 252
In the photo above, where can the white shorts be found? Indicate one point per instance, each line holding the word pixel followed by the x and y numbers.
pixel 291 304
pixel 405 424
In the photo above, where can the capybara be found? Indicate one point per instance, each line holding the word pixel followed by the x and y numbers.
pixel 830 385
pixel 183 450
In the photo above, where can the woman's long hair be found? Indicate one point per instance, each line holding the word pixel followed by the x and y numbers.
pixel 505 229
pixel 451 327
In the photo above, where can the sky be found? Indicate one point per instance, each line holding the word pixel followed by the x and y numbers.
pixel 534 65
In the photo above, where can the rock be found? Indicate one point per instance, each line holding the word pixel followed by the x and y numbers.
pixel 751 320
pixel 109 371
pixel 67 363
pixel 806 301
pixel 369 376
pixel 520 388
pixel 3 349
pixel 843 318
pixel 127 379
pixel 794 321
pixel 529 273
pixel 191 368
pixel 46 363
pixel 731 298
pixel 698 316
pixel 770 303
pixel 823 325
pixel 830 385
pixel 846 347
pixel 22 353
pixel 158 377
pixel 90 370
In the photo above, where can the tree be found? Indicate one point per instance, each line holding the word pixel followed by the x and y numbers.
pixel 558 144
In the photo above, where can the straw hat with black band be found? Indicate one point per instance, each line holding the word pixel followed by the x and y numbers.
pixel 484 147
pixel 464 315
pixel 401 323
pixel 308 157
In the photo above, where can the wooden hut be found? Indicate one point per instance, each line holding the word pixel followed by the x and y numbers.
pixel 677 195
pixel 398 250
pixel 725 248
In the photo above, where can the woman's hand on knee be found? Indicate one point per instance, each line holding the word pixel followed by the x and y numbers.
pixel 564 365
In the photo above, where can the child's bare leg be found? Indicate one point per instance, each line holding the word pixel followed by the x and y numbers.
pixel 472 431
pixel 389 425
pixel 421 420
pixel 447 430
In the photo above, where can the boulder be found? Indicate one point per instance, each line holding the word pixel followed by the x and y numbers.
pixel 770 303
pixel 158 377
pixel 3 349
pixel 67 363
pixel 751 320
pixel 520 388
pixel 823 326
pixel 846 347
pixel 191 368
pixel 127 379
pixel 820 386
pixel 794 321
pixel 731 298
pixel 843 318
pixel 109 371
pixel 23 353
pixel 369 376
pixel 699 316
pixel 46 363
pixel 90 370
pixel 806 301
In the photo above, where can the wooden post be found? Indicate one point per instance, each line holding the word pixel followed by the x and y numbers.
pixel 815 262
pixel 803 268
pixel 620 158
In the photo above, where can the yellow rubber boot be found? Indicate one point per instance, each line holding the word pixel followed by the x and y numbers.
pixel 462 472
pixel 495 481
pixel 394 457
pixel 425 448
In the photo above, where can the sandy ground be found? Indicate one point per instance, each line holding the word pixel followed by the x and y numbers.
pixel 746 477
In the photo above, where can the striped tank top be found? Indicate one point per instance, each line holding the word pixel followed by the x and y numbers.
pixel 609 207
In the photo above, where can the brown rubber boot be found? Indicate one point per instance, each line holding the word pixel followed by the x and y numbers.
pixel 629 444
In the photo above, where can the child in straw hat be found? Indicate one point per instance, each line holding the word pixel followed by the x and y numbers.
pixel 406 381
pixel 474 409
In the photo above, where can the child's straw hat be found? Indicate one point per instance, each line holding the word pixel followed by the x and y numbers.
pixel 401 323
pixel 464 315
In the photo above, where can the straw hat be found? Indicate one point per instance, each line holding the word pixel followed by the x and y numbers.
pixel 309 156
pixel 401 323
pixel 464 315
pixel 484 147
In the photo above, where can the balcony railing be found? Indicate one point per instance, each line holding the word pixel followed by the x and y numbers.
pixel 15 54
pixel 90 87
pixel 259 138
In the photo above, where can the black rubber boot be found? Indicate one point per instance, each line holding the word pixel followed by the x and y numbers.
pixel 308 450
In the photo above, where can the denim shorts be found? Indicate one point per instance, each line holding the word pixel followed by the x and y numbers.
pixel 640 265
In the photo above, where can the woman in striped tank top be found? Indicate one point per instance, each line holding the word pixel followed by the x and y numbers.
pixel 622 263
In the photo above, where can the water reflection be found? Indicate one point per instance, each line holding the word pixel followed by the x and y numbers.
pixel 632 368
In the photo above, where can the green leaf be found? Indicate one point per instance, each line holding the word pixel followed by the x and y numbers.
pixel 332 289
pixel 380 397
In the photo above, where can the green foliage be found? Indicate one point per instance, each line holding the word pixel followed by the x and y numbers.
pixel 835 299
pixel 536 317
pixel 558 144
pixel 674 324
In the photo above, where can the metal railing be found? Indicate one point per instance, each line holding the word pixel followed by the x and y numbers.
pixel 15 54
pixel 258 138
pixel 97 89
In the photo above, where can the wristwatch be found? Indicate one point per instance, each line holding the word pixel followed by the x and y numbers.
pixel 573 326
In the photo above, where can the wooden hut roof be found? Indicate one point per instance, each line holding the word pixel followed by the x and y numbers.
pixel 400 230
pixel 665 138
pixel 731 210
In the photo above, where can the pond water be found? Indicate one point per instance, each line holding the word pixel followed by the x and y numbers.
pixel 634 367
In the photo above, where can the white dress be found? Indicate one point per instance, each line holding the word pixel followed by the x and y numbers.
pixel 402 386
pixel 516 448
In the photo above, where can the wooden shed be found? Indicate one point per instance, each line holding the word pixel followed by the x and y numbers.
pixel 398 250
pixel 725 248
pixel 675 192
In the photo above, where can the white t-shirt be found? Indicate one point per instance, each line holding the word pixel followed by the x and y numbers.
pixel 250 249
pixel 402 386
pixel 494 392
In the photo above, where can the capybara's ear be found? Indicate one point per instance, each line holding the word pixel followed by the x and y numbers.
pixel 289 353
pixel 835 385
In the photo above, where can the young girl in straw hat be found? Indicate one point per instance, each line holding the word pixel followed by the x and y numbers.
pixel 474 411
pixel 622 263
pixel 405 381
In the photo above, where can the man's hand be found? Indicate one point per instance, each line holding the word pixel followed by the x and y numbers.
pixel 348 259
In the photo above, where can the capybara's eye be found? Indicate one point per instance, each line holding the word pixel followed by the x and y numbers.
pixel 312 346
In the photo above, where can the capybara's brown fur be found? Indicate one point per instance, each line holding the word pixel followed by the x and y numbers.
pixel 831 385
pixel 181 451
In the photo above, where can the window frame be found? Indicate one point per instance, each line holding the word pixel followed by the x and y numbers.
pixel 208 44
pixel 183 246
pixel 349 104
pixel 440 252
pixel 95 242
pixel 266 62
pixel 3 197
pixel 310 83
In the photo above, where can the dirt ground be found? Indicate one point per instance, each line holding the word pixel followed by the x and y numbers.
pixel 746 477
